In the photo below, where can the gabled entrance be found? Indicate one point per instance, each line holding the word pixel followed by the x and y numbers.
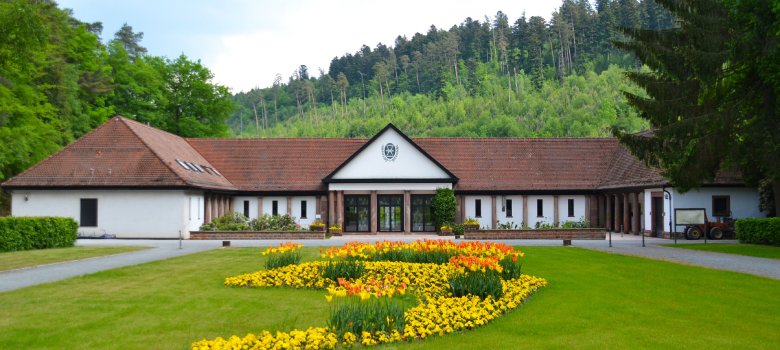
pixel 372 190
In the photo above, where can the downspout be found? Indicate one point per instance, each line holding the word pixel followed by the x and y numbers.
pixel 671 218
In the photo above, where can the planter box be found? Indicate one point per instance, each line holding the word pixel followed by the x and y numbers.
pixel 446 232
pixel 471 227
pixel 556 233
pixel 238 235
pixel 334 232
pixel 317 228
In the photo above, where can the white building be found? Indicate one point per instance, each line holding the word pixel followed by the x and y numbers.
pixel 130 180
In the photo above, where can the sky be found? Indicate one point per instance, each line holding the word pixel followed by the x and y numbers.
pixel 245 43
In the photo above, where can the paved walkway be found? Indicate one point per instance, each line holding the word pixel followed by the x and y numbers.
pixel 163 249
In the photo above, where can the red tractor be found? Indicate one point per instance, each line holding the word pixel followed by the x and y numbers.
pixel 724 227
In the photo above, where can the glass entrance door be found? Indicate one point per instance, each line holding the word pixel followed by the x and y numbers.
pixel 356 213
pixel 390 216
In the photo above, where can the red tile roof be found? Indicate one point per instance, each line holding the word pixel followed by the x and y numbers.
pixel 284 164
pixel 505 164
pixel 121 153
pixel 125 153
pixel 627 171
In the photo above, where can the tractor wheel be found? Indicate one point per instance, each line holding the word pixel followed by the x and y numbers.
pixel 693 233
pixel 716 233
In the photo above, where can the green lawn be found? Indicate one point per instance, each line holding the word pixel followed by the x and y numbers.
pixel 27 258
pixel 595 300
pixel 760 251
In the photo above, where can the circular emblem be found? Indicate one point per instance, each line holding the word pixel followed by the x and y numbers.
pixel 389 152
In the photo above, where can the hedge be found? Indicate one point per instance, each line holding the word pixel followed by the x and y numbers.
pixel 759 231
pixel 25 233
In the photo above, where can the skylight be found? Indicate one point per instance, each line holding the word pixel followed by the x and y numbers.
pixel 197 168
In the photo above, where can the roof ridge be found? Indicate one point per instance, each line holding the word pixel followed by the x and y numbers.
pixel 517 138
pixel 151 149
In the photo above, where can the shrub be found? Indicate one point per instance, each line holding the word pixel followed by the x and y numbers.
pixel 443 207
pixel 229 222
pixel 274 223
pixel 347 269
pixel 758 231
pixel 542 224
pixel 457 229
pixel 582 223
pixel 507 226
pixel 25 233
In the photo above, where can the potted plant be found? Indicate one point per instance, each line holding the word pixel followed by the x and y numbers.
pixel 471 224
pixel 317 226
pixel 335 230
pixel 445 230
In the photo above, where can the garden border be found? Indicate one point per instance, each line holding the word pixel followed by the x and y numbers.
pixel 565 234
pixel 237 235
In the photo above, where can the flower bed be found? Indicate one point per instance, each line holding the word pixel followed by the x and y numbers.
pixel 367 309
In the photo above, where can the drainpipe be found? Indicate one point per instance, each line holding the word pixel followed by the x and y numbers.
pixel 671 218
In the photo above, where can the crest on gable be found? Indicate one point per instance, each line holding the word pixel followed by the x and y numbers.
pixel 389 152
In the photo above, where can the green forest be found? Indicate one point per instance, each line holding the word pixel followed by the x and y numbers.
pixel 495 77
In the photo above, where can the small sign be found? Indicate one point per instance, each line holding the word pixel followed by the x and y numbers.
pixel 689 216
pixel 389 152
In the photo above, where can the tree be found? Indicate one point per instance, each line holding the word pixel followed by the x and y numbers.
pixel 131 41
pixel 196 107
pixel 443 207
pixel 712 94
pixel 343 84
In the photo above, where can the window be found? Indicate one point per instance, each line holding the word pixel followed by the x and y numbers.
pixel 721 206
pixel 357 213
pixel 422 213
pixel 571 208
pixel 246 208
pixel 509 208
pixel 88 212
pixel 539 208
pixel 275 208
pixel 303 209
pixel 478 208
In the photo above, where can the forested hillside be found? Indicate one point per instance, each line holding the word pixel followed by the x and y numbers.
pixel 495 77
pixel 59 79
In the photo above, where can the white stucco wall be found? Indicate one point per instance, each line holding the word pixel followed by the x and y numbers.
pixel 563 208
pixel 123 213
pixel 410 163
pixel 238 205
pixel 547 207
pixel 311 206
pixel 486 218
pixel 517 210
pixel 268 205
pixel 744 203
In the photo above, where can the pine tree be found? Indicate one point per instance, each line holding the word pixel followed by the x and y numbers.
pixel 712 93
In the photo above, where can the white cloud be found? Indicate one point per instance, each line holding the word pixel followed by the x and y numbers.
pixel 246 43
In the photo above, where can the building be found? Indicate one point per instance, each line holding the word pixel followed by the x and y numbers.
pixel 131 180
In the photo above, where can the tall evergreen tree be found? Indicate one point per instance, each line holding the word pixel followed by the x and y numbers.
pixel 712 94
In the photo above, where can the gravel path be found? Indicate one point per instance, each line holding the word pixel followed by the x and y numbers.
pixel 164 249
